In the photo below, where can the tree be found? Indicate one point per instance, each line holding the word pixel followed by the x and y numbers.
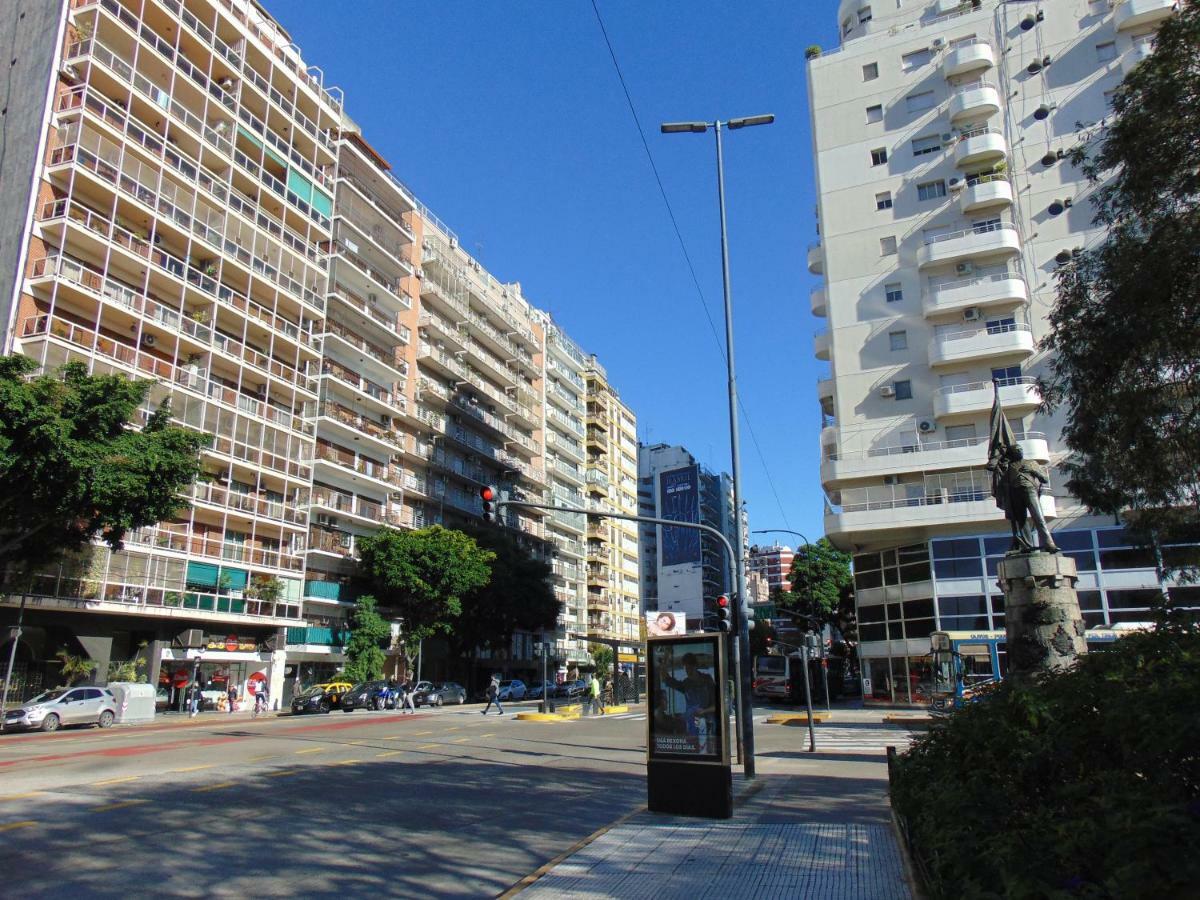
pixel 74 668
pixel 820 574
pixel 364 649
pixel 602 656
pixel 72 468
pixel 422 575
pixel 518 596
pixel 1125 326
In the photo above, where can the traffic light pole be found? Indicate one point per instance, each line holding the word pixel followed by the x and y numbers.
pixel 740 623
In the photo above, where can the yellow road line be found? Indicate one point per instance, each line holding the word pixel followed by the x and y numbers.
pixel 460 740
pixel 22 796
pixel 427 746
pixel 356 743
pixel 312 750
pixel 422 733
pixel 117 780
pixel 489 734
pixel 346 762
pixel 9 826
pixel 122 805
pixel 388 753
pixel 261 758
pixel 281 774
pixel 195 768
pixel 213 787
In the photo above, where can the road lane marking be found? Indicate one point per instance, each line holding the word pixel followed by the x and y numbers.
pixel 427 746
pixel 194 768
pixel 460 740
pixel 213 787
pixel 9 826
pixel 121 805
pixel 388 753
pixel 22 796
pixel 261 758
pixel 346 762
pixel 422 733
pixel 312 750
pixel 489 734
pixel 356 743
pixel 283 773
pixel 117 780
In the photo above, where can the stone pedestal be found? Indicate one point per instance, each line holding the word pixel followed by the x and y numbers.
pixel 1041 612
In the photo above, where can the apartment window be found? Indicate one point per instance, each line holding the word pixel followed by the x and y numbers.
pixel 887 246
pixel 848 25
pixel 919 102
pixel 931 190
pixel 1106 52
pixel 870 71
pixel 874 114
pixel 1001 325
pixel 893 293
pixel 879 156
pixel 903 389
pixel 898 340
pixel 864 15
pixel 929 144
pixel 910 62
pixel 883 200
pixel 964 40
pixel 1006 373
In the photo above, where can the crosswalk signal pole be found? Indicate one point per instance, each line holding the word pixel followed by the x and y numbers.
pixel 812 735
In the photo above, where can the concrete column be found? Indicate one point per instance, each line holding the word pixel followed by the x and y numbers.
pixel 98 647
pixel 153 652
pixel 1041 612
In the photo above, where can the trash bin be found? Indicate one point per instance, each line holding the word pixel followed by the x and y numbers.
pixel 135 702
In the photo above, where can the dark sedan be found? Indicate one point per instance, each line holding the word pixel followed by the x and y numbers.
pixel 441 694
pixel 313 700
pixel 366 695
pixel 572 689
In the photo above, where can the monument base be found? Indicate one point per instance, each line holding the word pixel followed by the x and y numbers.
pixel 1041 612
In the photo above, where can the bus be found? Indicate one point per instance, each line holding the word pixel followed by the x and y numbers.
pixel 964 662
pixel 780 679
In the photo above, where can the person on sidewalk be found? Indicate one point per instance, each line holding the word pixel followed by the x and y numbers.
pixel 409 690
pixel 594 695
pixel 193 700
pixel 232 695
pixel 493 696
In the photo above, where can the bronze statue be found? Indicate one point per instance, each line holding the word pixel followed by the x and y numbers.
pixel 1017 484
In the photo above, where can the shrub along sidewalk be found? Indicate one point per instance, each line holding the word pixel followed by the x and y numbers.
pixel 1085 783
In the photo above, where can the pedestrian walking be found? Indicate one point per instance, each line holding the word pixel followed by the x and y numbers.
pixel 594 695
pixel 493 696
pixel 409 690
pixel 193 700
pixel 232 695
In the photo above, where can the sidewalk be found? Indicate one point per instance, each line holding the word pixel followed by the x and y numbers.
pixel 802 829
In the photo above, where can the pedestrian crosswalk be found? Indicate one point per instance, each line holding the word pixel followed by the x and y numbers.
pixel 859 739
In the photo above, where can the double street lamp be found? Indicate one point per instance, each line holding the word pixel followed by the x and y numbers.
pixel 743 630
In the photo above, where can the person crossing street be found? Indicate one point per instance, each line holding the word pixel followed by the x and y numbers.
pixel 493 696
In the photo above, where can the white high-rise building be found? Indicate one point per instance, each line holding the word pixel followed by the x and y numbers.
pixel 945 205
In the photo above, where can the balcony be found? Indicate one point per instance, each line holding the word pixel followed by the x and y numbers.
pixel 825 389
pixel 1136 13
pixel 989 291
pixel 816 259
pixel 1017 395
pixel 985 192
pixel 924 455
pixel 961 59
pixel 821 345
pixel 985 343
pixel 990 241
pixel 818 301
pixel 974 100
pixel 313 636
pixel 983 146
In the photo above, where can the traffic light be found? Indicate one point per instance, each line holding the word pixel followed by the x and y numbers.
pixel 723 613
pixel 488 495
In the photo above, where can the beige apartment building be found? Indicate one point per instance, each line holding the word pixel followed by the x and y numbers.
pixel 945 205
pixel 185 201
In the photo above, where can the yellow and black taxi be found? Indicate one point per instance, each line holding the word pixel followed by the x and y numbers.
pixel 320 698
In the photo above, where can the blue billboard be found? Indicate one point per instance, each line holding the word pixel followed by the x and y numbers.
pixel 679 500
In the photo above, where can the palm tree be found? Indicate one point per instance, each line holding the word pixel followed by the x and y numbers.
pixel 74 668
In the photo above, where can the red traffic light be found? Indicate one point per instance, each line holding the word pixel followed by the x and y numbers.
pixel 487 493
pixel 723 601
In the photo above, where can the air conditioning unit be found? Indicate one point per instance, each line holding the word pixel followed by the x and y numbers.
pixel 887 391
pixel 971 314
pixel 963 268
pixel 926 425
pixel 957 184
pixel 937 44
pixel 148 340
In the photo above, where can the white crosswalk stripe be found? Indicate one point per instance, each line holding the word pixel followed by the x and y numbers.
pixel 862 739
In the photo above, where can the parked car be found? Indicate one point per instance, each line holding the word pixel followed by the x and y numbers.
pixel 536 692
pixel 65 706
pixel 572 689
pixel 334 690
pixel 512 690
pixel 440 694
pixel 315 699
pixel 365 695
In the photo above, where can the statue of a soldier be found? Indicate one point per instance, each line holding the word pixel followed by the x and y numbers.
pixel 1017 484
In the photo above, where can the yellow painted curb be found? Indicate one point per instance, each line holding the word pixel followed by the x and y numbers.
pixel 798 718
pixel 610 710
pixel 542 717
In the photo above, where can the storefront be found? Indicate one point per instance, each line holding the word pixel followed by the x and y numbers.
pixel 221 663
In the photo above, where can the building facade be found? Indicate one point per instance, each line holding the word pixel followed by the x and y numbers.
pixel 945 204
pixel 185 201
pixel 773 564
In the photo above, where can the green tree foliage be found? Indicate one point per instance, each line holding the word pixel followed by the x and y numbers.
pixel 368 636
pixel 518 595
pixel 1125 327
pixel 1085 783
pixel 820 576
pixel 71 468
pixel 422 576
pixel 602 656
pixel 73 668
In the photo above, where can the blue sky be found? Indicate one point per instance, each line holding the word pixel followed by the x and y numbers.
pixel 508 120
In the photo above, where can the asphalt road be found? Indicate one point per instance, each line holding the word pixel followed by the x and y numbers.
pixel 443 803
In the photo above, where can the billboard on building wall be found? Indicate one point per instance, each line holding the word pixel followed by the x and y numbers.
pixel 665 623
pixel 679 499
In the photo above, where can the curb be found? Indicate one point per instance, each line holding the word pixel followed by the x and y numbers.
pixel 798 718
pixel 901 719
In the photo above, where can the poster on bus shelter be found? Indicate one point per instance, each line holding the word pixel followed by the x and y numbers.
pixel 686 722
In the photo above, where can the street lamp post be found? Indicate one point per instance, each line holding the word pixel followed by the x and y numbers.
pixel 743 626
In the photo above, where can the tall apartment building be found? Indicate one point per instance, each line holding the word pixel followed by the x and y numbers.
pixel 184 201
pixel 614 595
pixel 945 205
pixel 169 222
pixel 683 569
pixel 774 564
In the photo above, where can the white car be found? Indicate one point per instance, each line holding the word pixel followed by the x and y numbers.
pixel 512 690
pixel 65 706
